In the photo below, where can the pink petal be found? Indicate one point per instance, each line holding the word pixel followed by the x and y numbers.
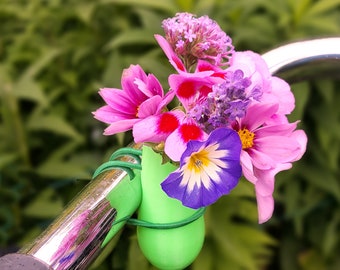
pixel 150 87
pixel 281 90
pixel 276 130
pixel 156 128
pixel 206 66
pixel 257 114
pixel 174 60
pixel 280 149
pixel 301 138
pixel 129 86
pixel 174 146
pixel 265 207
pixel 261 159
pixel 247 167
pixel 120 126
pixel 253 66
pixel 191 88
pixel 264 188
pixel 177 141
pixel 107 115
pixel 166 100
pixel 149 107
pixel 146 130
pixel 118 100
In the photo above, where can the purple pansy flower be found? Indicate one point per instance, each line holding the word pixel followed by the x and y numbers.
pixel 208 170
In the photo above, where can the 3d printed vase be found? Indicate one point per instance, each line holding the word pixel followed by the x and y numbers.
pixel 171 248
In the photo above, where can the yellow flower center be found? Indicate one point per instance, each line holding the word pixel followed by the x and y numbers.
pixel 247 138
pixel 198 161
pixel 137 111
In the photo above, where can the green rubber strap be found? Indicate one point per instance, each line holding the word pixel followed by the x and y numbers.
pixel 126 151
pixel 162 226
pixel 114 164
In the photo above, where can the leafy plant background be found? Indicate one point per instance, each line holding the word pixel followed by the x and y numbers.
pixel 56 54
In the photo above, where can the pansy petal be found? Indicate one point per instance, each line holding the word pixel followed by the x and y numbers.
pixel 208 170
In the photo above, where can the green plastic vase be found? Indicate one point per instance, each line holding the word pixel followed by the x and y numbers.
pixel 167 249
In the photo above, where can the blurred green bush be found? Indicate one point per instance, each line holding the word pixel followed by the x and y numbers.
pixel 56 54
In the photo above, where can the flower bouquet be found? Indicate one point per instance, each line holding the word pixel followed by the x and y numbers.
pixel 229 120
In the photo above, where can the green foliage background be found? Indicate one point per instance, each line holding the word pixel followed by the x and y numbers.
pixel 56 54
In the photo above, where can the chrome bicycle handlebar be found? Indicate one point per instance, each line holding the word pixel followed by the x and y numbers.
pixel 79 231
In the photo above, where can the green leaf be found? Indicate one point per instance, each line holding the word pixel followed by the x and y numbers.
pixel 167 6
pixel 27 88
pixel 322 179
pixel 323 6
pixel 331 239
pixel 45 205
pixel 63 170
pixel 44 60
pixel 131 37
pixel 301 93
pixel 52 123
pixel 7 158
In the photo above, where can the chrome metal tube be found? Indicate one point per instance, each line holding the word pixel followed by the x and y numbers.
pixel 304 60
pixel 74 239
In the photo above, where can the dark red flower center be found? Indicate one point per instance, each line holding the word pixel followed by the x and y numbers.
pixel 167 123
pixel 190 132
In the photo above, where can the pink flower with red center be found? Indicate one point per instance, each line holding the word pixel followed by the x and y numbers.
pixel 157 128
pixel 141 96
pixel 177 141
pixel 191 88
pixel 173 128
pixel 266 150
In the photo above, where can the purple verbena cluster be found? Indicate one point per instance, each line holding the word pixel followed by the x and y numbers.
pixel 226 102
pixel 195 38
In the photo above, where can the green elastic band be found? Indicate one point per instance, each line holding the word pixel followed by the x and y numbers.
pixel 162 226
pixel 117 164
pixel 126 151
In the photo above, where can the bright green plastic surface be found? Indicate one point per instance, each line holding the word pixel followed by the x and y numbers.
pixel 125 198
pixel 167 249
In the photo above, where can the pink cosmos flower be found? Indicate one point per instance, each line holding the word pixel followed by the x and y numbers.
pixel 141 96
pixel 274 89
pixel 266 150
